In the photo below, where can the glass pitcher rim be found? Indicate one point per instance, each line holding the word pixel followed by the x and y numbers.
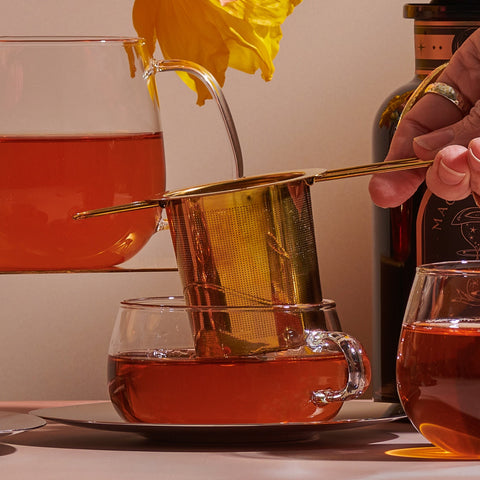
pixel 67 39
pixel 451 268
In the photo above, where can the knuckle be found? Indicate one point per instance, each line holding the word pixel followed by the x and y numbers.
pixel 472 121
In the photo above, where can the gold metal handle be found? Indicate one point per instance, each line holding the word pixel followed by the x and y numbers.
pixel 323 175
pixel 119 208
pixel 371 168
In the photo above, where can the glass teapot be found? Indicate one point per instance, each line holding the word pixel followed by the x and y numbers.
pixel 80 127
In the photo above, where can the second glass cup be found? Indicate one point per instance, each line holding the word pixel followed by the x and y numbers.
pixel 438 364
pixel 164 369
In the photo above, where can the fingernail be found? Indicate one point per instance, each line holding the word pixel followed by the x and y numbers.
pixel 474 147
pixel 435 140
pixel 450 176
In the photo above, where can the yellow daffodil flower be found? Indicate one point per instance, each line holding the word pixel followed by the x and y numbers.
pixel 217 34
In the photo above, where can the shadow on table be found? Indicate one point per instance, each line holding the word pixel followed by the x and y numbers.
pixel 348 452
pixel 6 449
pixel 356 444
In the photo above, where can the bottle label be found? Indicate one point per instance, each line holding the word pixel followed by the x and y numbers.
pixel 447 230
pixel 435 42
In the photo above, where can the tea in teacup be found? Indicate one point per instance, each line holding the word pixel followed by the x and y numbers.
pixel 182 389
pixel 438 375
pixel 438 363
pixel 162 369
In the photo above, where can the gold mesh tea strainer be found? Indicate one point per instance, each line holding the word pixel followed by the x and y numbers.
pixel 249 241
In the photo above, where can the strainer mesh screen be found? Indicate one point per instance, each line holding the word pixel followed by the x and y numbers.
pixel 248 247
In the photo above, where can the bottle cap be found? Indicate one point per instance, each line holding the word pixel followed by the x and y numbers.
pixel 443 10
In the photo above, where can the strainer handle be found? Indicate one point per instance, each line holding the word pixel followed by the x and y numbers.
pixel 372 168
pixel 214 88
pixel 358 371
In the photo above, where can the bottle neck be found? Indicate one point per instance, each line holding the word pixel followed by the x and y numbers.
pixel 437 41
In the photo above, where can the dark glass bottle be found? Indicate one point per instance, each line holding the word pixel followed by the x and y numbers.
pixel 425 228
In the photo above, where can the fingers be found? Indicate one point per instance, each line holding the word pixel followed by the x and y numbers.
pixel 430 144
pixel 430 113
pixel 459 133
pixel 455 173
pixel 474 164
pixel 449 176
pixel 388 190
pixel 456 170
pixel 431 125
pixel 463 72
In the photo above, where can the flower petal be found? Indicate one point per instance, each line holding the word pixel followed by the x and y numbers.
pixel 262 12
pixel 143 15
pixel 217 34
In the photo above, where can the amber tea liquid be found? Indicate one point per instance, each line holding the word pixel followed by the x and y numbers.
pixel 247 390
pixel 46 180
pixel 438 377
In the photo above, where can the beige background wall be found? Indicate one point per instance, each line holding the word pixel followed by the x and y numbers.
pixel 338 60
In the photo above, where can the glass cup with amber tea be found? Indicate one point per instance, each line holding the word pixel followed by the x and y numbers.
pixel 438 363
pixel 170 363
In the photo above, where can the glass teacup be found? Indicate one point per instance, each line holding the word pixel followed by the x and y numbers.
pixel 159 373
pixel 438 364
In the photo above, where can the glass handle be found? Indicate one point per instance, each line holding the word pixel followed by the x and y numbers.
pixel 214 88
pixel 358 373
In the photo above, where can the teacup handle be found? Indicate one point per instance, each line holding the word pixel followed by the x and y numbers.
pixel 214 88
pixel 357 381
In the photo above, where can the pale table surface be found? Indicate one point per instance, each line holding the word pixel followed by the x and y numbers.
pixel 63 452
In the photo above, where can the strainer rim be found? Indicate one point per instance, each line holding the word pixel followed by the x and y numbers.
pixel 264 180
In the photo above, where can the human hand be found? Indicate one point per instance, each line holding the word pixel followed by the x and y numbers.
pixel 437 129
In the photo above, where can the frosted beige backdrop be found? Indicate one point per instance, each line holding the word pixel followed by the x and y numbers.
pixel 338 60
